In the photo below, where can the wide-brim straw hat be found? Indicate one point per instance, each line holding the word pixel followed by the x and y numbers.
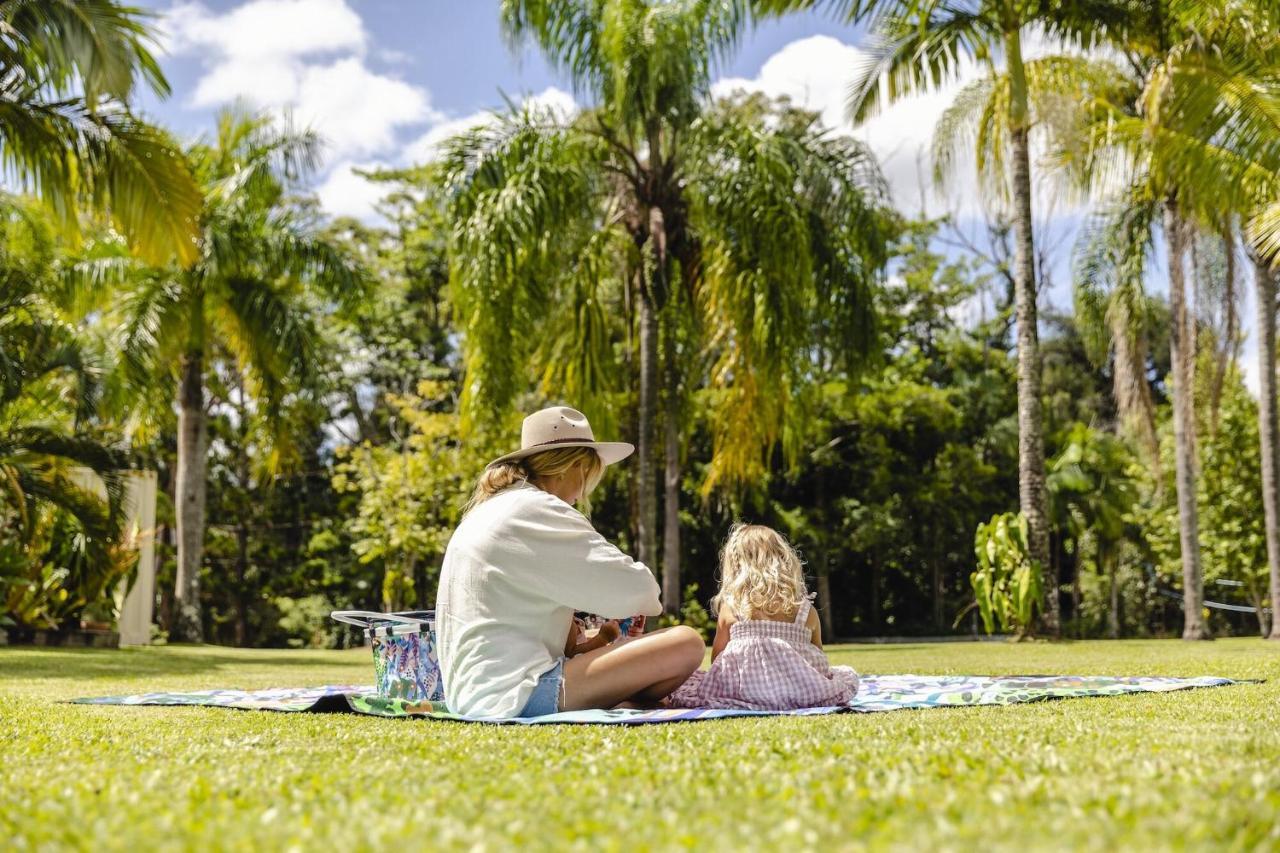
pixel 561 426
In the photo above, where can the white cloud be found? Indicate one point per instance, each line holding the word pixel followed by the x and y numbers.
pixel 554 99
pixel 813 72
pixel 427 146
pixel 344 193
pixel 304 55
pixel 356 110
pixel 266 29
pixel 816 73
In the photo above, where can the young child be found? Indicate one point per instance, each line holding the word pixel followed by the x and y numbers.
pixel 767 654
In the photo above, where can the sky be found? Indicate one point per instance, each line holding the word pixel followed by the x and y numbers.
pixel 385 81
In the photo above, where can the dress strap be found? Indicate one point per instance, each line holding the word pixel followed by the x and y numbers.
pixel 802 612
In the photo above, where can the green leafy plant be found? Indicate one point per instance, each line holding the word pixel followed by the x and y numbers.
pixel 692 613
pixel 1006 584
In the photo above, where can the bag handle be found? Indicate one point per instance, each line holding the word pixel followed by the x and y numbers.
pixel 366 618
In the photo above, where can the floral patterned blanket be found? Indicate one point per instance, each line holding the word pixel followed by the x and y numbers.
pixel 876 693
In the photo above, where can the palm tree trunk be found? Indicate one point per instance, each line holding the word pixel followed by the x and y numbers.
pixel 875 592
pixel 1131 389
pixel 824 600
pixel 1113 611
pixel 1269 427
pixel 1032 496
pixel 671 590
pixel 1075 589
pixel 646 487
pixel 242 588
pixel 939 620
pixel 1227 346
pixel 187 622
pixel 1182 342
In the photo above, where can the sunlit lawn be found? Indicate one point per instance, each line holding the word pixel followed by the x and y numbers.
pixel 1193 769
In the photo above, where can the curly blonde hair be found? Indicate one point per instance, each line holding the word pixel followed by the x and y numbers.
pixel 760 574
pixel 540 466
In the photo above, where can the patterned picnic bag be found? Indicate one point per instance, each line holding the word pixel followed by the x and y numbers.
pixel 405 665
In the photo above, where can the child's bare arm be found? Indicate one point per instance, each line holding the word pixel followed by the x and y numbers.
pixel 579 643
pixel 814 624
pixel 574 638
pixel 722 634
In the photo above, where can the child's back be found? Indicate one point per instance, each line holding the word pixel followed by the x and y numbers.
pixel 763 663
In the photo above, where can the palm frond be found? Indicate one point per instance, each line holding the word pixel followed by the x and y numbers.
pixel 68 154
pixel 792 237
pixel 917 50
pixel 272 341
pixel 97 44
pixel 157 312
pixel 521 191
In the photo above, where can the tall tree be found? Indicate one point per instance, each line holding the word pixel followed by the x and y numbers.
pixel 683 212
pixel 1221 100
pixel 1196 144
pixel 1269 426
pixel 921 45
pixel 242 294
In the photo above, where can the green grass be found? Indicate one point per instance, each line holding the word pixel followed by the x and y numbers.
pixel 1195 769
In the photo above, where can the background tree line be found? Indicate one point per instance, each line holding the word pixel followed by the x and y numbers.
pixel 723 282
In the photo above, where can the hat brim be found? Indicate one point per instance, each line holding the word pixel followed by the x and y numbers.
pixel 610 451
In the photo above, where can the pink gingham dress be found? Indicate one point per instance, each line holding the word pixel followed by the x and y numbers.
pixel 768 666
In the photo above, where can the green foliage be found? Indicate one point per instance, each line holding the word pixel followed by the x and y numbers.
pixel 59 537
pixel 693 614
pixel 752 234
pixel 1006 583
pixel 1230 499
pixel 305 621
pixel 410 495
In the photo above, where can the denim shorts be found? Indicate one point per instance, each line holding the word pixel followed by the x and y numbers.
pixel 547 693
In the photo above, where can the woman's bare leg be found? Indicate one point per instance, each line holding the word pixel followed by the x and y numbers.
pixel 646 668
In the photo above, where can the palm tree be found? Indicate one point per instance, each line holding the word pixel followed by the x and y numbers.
pixel 244 295
pixel 1199 133
pixel 920 46
pixel 1221 104
pixel 681 210
pixel 67 134
pixel 1269 425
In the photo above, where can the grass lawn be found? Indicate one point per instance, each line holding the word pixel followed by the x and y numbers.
pixel 1194 769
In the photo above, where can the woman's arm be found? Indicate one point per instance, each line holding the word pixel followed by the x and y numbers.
pixel 722 635
pixel 571 563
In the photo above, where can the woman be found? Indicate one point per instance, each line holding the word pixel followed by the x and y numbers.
pixel 521 562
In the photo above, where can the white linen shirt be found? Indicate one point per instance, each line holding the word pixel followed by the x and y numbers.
pixel 517 567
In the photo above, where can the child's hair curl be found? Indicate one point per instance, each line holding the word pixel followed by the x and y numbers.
pixel 760 574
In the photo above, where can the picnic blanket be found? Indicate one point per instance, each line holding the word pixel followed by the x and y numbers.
pixel 876 693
